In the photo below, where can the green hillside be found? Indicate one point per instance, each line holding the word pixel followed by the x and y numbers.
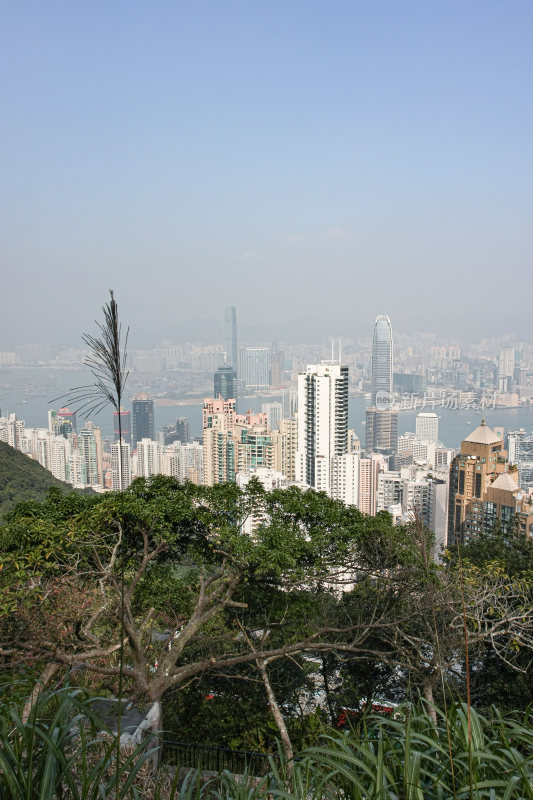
pixel 22 478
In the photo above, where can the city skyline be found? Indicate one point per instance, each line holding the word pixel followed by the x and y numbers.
pixel 423 362
pixel 312 446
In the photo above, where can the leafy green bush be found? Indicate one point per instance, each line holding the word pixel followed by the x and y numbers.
pixel 411 757
pixel 57 754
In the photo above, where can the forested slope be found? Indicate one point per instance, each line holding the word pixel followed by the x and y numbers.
pixel 22 478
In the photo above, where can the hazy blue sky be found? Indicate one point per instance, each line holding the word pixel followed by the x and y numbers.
pixel 293 158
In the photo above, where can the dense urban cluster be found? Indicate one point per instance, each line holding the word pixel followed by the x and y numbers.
pixel 302 437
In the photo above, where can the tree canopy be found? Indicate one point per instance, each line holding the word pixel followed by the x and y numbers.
pixel 352 601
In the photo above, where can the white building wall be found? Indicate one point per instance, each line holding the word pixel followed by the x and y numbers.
pixel 421 449
pixel 318 423
pixel 345 478
pixel 438 519
pixel 389 490
pixel 148 458
pixel 120 468
pixel 427 426
pixel 270 479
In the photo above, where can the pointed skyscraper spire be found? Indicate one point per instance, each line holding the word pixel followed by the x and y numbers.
pixel 230 338
pixel 382 359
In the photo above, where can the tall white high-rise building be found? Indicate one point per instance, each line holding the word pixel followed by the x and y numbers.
pixel 12 431
pixel 427 426
pixel 506 369
pixel 148 458
pixel 388 490
pixel 54 453
pixel 345 478
pixel 90 446
pixel 438 513
pixel 256 368
pixel 382 363
pixel 322 422
pixel 76 468
pixel 120 465
pixel 513 444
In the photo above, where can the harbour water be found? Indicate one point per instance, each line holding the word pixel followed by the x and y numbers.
pixel 30 392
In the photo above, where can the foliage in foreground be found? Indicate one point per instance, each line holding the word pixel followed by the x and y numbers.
pixel 56 753
pixel 59 751
pixel 412 757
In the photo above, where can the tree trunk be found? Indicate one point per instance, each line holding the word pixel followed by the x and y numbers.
pixel 278 716
pixel 327 691
pixel 148 734
pixel 156 727
pixel 40 683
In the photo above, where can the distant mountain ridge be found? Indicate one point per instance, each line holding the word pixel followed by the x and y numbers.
pixel 22 478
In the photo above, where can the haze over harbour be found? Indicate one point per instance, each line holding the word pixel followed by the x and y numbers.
pixel 454 423
pixel 311 164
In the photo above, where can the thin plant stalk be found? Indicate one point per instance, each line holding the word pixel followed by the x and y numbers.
pixel 467 668
pixel 107 361
pixel 418 522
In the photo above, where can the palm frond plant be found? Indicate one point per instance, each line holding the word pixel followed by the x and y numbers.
pixel 107 361
pixel 57 753
pixel 407 758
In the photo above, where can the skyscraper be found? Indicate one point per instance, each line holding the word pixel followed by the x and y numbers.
pixel 382 363
pixel 180 432
pixel 68 416
pixel 183 430
pixel 143 419
pixel 125 425
pixel 225 383
pixel 230 338
pixel 506 369
pixel 277 366
pixel 369 469
pixel 381 431
pixel 120 465
pixel 90 446
pixel 148 458
pixel 322 422
pixel 481 460
pixel 256 372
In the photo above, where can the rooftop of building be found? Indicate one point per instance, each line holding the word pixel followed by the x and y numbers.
pixel 483 435
pixel 505 481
